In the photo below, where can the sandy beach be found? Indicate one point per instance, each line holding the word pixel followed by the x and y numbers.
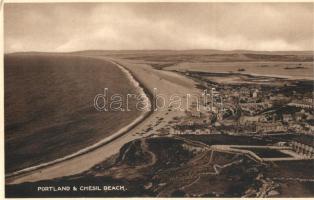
pixel 167 83
pixel 101 142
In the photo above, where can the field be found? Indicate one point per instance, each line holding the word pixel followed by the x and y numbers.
pixel 49 111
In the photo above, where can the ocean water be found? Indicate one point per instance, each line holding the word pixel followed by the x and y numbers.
pixel 293 70
pixel 49 106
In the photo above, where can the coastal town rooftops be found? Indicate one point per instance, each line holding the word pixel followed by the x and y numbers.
pixel 305 139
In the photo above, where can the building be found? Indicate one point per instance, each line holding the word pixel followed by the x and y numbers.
pixel 299 116
pixel 287 117
pixel 255 93
pixel 270 127
pixel 307 103
pixel 305 150
pixel 308 100
pixel 189 131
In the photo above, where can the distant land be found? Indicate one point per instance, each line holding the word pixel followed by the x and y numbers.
pixel 269 63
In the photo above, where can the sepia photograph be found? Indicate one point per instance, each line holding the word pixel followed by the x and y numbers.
pixel 158 99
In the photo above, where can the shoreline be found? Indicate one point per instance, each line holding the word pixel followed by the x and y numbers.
pixel 148 78
pixel 139 87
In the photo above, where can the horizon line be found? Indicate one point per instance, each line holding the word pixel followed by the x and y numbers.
pixel 34 51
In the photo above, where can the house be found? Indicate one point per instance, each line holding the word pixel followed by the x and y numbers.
pixel 255 93
pixel 304 149
pixel 299 116
pixel 308 100
pixel 310 126
pixel 307 103
pixel 189 131
pixel 287 117
pixel 249 119
pixel 270 127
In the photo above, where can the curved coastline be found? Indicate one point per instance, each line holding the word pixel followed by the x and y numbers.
pixel 140 89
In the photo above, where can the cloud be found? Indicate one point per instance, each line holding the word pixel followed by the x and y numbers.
pixel 227 26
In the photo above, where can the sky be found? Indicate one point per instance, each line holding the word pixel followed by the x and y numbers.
pixel 63 27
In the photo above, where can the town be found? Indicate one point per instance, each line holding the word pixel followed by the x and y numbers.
pixel 253 109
